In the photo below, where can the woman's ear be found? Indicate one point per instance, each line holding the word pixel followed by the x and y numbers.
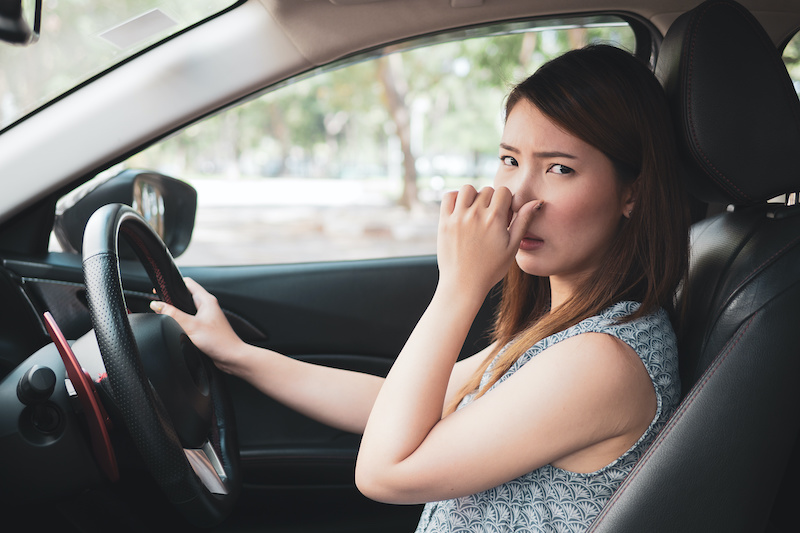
pixel 629 198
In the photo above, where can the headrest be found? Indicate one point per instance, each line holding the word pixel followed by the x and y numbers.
pixel 735 109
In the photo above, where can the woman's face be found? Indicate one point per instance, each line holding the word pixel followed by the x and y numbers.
pixel 584 203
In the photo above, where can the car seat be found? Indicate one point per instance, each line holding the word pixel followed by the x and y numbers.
pixel 728 460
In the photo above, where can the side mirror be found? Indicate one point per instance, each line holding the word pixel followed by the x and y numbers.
pixel 13 26
pixel 167 204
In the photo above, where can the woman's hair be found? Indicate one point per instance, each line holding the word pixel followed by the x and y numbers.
pixel 612 101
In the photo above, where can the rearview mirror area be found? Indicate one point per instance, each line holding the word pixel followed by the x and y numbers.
pixel 167 204
pixel 14 15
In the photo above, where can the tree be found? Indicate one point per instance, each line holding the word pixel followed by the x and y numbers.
pixel 395 87
pixel 437 103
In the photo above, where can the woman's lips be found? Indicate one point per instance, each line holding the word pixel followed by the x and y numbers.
pixel 530 243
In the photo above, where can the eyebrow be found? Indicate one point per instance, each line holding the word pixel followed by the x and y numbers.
pixel 539 154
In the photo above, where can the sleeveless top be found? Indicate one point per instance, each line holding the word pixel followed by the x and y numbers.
pixel 550 499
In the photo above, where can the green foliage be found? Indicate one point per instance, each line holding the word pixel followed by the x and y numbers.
pixel 338 124
pixel 791 57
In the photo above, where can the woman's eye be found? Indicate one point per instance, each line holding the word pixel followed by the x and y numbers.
pixel 508 160
pixel 560 169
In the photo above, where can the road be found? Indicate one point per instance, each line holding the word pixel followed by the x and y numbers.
pixel 286 221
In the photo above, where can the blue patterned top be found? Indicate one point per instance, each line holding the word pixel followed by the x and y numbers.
pixel 550 499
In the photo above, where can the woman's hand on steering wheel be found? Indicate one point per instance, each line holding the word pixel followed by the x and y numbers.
pixel 209 329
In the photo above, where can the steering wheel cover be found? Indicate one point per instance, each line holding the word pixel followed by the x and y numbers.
pixel 145 417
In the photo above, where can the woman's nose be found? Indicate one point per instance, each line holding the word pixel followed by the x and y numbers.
pixel 516 202
pixel 521 185
pixel 521 195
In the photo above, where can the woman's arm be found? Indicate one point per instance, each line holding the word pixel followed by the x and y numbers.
pixel 577 405
pixel 339 398
pixel 463 372
pixel 475 248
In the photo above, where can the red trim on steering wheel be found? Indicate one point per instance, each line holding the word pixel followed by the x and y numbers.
pixel 96 416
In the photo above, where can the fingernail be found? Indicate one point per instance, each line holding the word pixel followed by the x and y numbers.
pixel 156 306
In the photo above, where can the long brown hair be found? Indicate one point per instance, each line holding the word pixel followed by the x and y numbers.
pixel 612 101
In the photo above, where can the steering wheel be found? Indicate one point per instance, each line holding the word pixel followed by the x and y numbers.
pixel 173 402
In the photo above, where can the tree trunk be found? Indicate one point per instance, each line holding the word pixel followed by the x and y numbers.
pixel 395 88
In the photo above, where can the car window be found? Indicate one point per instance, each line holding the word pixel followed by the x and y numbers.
pixel 350 163
pixel 81 38
pixel 791 58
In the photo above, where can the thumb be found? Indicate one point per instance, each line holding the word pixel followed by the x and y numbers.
pixel 520 224
pixel 162 308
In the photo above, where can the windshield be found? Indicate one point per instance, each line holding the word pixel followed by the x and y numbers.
pixel 82 38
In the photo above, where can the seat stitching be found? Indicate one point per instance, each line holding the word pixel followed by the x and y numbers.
pixel 760 267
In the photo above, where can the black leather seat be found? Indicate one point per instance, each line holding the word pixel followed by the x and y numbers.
pixel 729 459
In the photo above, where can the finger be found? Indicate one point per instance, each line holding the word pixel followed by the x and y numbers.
pixel 521 222
pixel 501 199
pixel 160 307
pixel 448 202
pixel 484 197
pixel 200 295
pixel 195 289
pixel 466 197
pixel 166 309
pixel 501 205
pixel 192 285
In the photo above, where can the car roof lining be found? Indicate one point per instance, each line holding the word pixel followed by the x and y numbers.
pixel 313 31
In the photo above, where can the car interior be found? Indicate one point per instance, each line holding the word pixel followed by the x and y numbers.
pixel 75 460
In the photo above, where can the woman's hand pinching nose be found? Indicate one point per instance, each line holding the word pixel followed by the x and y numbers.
pixel 520 222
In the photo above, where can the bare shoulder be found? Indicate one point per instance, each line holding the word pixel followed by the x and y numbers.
pixel 597 352
pixel 607 389
pixel 600 374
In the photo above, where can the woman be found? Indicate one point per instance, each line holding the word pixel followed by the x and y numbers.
pixel 587 223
